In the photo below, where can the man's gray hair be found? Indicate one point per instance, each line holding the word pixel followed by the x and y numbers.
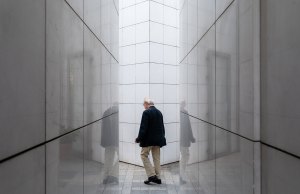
pixel 148 101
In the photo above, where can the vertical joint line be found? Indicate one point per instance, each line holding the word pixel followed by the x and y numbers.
pixel 149 51
pixel 215 100
pixel 45 97
pixel 83 115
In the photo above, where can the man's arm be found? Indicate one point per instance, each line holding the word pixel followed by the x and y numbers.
pixel 162 118
pixel 190 131
pixel 143 128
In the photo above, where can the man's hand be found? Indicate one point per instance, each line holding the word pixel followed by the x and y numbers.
pixel 137 140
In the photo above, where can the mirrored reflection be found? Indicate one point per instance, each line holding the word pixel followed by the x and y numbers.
pixel 92 77
pixel 64 164
pixel 197 159
pixel 186 169
pixel 110 142
pixel 206 15
pixel 101 158
pixel 77 5
pixel 216 88
pixel 206 77
pixel 64 48
pixel 221 6
pixel 206 158
pixel 218 161
pixel 192 23
pixel 234 163
pixel 186 138
pixel 227 69
pixel 183 30
pixel 109 26
pixel 93 158
pixel 92 11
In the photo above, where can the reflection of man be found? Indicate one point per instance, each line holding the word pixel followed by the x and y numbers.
pixel 110 141
pixel 151 138
pixel 186 137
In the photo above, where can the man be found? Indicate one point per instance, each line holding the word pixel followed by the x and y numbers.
pixel 151 138
pixel 110 141
pixel 186 138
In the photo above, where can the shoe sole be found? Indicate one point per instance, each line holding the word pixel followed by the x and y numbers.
pixel 149 182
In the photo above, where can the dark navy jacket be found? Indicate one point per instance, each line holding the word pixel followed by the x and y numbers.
pixel 186 133
pixel 110 128
pixel 152 130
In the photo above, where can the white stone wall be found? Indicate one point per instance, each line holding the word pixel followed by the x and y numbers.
pixel 148 67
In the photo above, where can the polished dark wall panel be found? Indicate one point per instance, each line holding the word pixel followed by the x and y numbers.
pixel 92 77
pixel 64 164
pixel 226 69
pixel 280 172
pixel 64 96
pixel 280 93
pixel 22 75
pixel 24 174
pixel 280 74
pixel 256 92
pixel 58 80
pixel 219 74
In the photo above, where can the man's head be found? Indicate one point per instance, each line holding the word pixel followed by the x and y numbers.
pixel 147 103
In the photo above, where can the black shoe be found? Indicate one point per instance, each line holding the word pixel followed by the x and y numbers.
pixel 147 182
pixel 105 181
pixel 111 180
pixel 158 181
pixel 153 179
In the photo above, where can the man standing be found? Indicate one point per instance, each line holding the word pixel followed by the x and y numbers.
pixel 151 138
pixel 186 138
pixel 110 141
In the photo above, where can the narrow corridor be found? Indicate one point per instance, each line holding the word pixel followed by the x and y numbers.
pixel 224 74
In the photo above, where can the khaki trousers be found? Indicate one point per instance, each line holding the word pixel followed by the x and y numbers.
pixel 155 151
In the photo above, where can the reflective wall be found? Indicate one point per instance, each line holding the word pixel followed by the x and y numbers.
pixel 238 93
pixel 148 67
pixel 280 70
pixel 59 102
pixel 219 96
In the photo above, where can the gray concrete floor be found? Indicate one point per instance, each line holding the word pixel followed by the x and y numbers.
pixel 131 181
